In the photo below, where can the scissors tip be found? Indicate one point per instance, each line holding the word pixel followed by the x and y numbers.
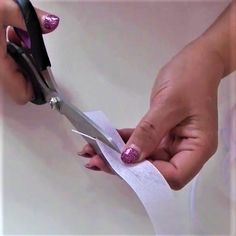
pixel 112 144
pixel 82 134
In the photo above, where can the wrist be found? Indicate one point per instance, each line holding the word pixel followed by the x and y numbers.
pixel 220 38
pixel 210 57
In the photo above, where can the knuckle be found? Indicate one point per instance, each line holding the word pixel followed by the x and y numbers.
pixel 214 144
pixel 176 182
pixel 22 99
pixel 211 144
pixel 177 185
pixel 147 129
pixel 213 148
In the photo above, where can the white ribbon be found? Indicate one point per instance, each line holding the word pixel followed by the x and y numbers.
pixel 146 181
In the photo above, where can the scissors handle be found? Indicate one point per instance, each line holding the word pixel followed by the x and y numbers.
pixel 34 60
pixel 38 49
pixel 29 70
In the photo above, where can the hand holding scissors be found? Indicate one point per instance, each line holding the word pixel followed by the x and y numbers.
pixel 36 67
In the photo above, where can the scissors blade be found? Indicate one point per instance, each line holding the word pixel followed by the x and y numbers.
pixel 84 124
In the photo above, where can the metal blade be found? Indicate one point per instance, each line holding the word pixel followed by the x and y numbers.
pixel 84 124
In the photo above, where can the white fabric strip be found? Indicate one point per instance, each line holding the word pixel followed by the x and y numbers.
pixel 147 182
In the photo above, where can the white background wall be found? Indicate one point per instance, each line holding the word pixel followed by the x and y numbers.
pixel 105 56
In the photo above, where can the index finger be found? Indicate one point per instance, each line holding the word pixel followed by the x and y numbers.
pixel 12 16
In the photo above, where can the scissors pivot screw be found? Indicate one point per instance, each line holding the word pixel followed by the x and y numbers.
pixel 55 103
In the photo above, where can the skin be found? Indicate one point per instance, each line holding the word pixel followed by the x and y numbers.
pixel 179 132
pixel 11 79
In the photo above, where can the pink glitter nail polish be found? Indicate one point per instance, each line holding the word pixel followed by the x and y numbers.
pixel 130 155
pixel 50 22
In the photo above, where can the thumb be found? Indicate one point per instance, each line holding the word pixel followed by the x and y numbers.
pixel 157 122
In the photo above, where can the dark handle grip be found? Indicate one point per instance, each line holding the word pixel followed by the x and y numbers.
pixel 38 48
pixel 29 70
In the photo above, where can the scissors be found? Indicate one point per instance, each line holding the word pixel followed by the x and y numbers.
pixel 36 67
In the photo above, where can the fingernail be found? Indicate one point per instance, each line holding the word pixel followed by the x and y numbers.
pixel 131 154
pixel 50 22
pixel 88 166
pixel 84 154
pixel 24 37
